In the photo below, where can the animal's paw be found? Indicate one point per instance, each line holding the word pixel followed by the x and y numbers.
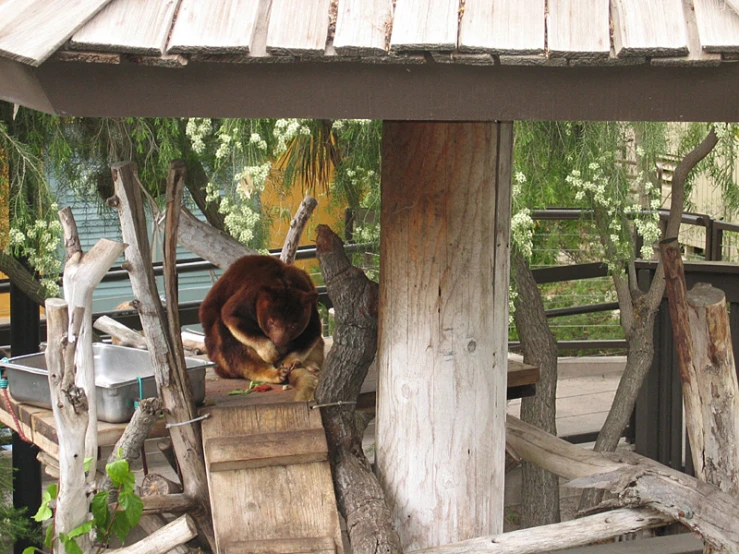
pixel 313 367
pixel 282 373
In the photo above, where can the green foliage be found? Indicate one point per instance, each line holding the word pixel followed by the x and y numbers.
pixel 106 522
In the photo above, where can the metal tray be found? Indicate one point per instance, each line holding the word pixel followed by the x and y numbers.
pixel 117 373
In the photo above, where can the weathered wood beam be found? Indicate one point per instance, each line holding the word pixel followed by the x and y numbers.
pixel 164 540
pixel 443 317
pixel 124 335
pixel 558 536
pixel 638 481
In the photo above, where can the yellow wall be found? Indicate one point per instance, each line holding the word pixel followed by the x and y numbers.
pixel 281 205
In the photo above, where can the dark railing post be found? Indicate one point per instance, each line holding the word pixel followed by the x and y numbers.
pixel 24 339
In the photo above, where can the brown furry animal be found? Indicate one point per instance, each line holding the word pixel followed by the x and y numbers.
pixel 261 323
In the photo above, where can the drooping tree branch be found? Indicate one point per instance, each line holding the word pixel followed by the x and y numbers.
pixel 22 278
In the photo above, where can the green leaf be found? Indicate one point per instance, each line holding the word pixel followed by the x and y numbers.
pixel 49 537
pixel 88 464
pixel 120 474
pixel 29 550
pixel 81 529
pixel 100 510
pixel 53 490
pixel 70 545
pixel 132 505
pixel 121 526
pixel 44 512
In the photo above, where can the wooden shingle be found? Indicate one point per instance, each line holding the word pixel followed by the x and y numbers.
pixel 502 27
pixel 579 29
pixel 213 27
pixel 128 26
pixel 649 28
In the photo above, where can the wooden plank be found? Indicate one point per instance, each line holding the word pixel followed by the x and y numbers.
pixel 362 27
pixel 298 27
pixel 425 25
pixel 213 27
pixel 128 26
pixel 579 29
pixel 520 374
pixel 32 30
pixel 697 55
pixel 718 26
pixel 266 503
pixel 502 27
pixel 266 449
pixel 649 28
pixel 321 545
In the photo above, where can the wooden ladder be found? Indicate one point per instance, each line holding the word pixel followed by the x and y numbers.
pixel 270 481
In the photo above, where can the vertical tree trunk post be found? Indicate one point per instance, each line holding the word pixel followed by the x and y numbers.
pixel 169 373
pixel 70 407
pixel 82 273
pixel 355 299
pixel 443 328
pixel 702 334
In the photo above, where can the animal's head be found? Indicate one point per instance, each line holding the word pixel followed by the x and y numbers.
pixel 283 314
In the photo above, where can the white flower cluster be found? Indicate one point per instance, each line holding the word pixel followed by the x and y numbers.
pixel 197 129
pixel 240 219
pixel 255 176
pixel 617 208
pixel 522 232
pixel 287 129
pixel 39 244
pixel 257 140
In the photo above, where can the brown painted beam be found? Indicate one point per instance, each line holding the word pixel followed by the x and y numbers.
pixel 426 91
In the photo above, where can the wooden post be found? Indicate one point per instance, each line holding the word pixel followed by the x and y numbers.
pixel 70 407
pixel 82 273
pixel 169 373
pixel 702 334
pixel 443 328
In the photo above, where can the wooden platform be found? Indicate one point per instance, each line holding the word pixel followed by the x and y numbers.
pixel 38 423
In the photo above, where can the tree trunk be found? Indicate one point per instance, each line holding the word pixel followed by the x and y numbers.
pixel 82 274
pixel 22 278
pixel 360 498
pixel 539 488
pixel 70 407
pixel 172 382
pixel 443 328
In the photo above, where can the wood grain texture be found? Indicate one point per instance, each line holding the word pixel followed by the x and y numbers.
pixel 298 27
pixel 425 25
pixel 128 26
pixel 266 449
pixel 269 503
pixel 718 25
pixel 649 27
pixel 321 545
pixel 31 31
pixel 579 29
pixel 502 27
pixel 697 54
pixel 442 356
pixel 361 27
pixel 213 27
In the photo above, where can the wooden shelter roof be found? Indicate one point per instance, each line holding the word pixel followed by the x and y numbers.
pixel 341 48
